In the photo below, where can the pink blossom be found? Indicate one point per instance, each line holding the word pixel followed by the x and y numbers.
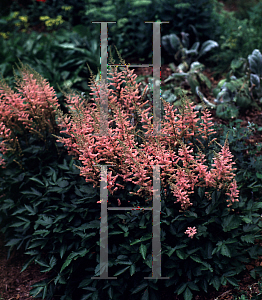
pixel 191 231
pixel 33 108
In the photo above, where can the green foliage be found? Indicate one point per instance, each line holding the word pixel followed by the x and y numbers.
pixel 179 48
pixel 194 77
pixel 247 162
pixel 70 10
pixel 61 56
pixel 255 66
pixel 234 94
pixel 134 37
pixel 243 7
pixel 48 210
pixel 238 37
pixel 189 70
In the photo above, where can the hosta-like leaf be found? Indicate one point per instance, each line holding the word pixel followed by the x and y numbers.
pixel 207 46
pixel 196 66
pixel 254 80
pixel 171 43
pixel 255 62
pixel 205 79
pixel 195 46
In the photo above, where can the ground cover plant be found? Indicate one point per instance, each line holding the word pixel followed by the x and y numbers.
pixel 206 233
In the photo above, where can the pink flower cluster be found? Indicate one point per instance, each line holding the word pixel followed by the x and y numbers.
pixel 191 231
pixel 30 109
pixel 182 169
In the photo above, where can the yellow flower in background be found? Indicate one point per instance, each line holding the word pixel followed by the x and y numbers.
pixel 15 14
pixel 5 35
pixel 66 7
pixel 24 18
pixel 51 22
pixel 44 18
pixel 59 20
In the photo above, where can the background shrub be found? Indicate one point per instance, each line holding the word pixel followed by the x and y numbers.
pixel 133 37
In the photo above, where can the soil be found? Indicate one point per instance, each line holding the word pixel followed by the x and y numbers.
pixel 13 283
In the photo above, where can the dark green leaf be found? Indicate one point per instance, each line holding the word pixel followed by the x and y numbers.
pixel 225 251
pixel 188 294
pixel 140 287
pixel 132 269
pixel 36 180
pixel 232 281
pixel 142 250
pixel 121 271
pixel 182 288
pixel 207 46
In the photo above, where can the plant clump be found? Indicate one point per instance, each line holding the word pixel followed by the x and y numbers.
pixel 51 206
pixel 183 131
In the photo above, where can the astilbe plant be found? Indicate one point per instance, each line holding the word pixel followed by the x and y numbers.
pixel 29 110
pixel 183 132
pixel 206 233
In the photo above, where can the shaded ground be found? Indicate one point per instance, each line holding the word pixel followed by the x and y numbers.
pixel 13 284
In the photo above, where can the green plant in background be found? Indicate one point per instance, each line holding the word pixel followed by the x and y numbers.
pixel 13 22
pixel 255 66
pixel 189 70
pixel 193 77
pixel 234 94
pixel 134 37
pixel 69 10
pixel 249 165
pixel 170 93
pixel 179 49
pixel 243 7
pixel 238 37
pixel 60 56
